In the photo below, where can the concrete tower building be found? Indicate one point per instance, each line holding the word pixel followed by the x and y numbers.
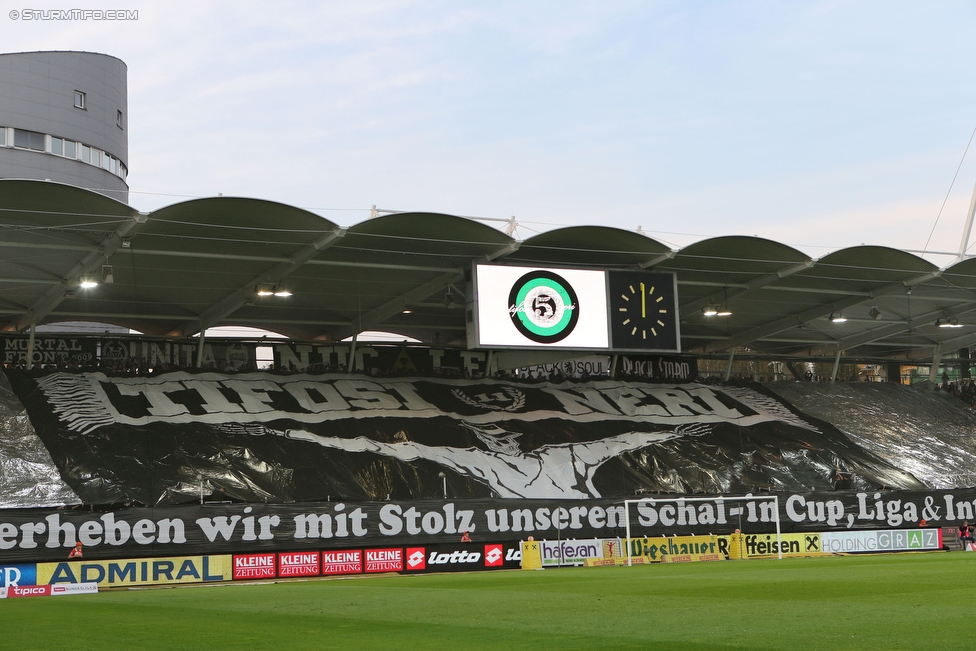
pixel 64 118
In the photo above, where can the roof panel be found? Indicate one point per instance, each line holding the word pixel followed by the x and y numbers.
pixel 199 262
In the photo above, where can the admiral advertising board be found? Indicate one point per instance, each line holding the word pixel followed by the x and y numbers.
pixel 155 571
pixel 575 309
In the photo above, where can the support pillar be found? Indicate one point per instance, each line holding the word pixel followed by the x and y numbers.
pixel 833 376
pixel 352 354
pixel 728 369
pixel 934 369
pixel 200 344
pixel 30 346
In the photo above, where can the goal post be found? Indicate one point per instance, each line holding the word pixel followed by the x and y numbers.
pixel 720 502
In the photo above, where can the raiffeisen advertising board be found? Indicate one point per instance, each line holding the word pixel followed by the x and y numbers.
pixel 575 309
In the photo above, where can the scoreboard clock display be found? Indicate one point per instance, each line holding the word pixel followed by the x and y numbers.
pixel 573 309
pixel 643 311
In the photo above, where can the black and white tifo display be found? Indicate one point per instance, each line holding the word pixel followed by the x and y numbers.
pixel 574 309
pixel 262 437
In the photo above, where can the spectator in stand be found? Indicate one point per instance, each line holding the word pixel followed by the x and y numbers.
pixel 965 535
pixel 76 551
pixel 465 537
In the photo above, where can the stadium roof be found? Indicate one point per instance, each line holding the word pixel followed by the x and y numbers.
pixel 197 264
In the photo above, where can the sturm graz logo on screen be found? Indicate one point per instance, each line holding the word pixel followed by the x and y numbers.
pixel 543 307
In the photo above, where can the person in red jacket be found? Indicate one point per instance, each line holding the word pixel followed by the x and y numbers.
pixel 76 551
pixel 965 535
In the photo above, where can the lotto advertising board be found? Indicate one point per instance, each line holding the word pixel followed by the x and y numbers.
pixel 580 309
pixel 462 557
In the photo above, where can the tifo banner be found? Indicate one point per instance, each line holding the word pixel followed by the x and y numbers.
pixel 281 438
pixel 255 529
pixel 188 569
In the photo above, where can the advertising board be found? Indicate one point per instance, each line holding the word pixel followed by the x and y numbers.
pixel 62 589
pixel 20 574
pixel 902 540
pixel 29 591
pixel 694 547
pixel 794 544
pixel 299 564
pixel 155 571
pixel 462 557
pixel 254 566
pixel 569 552
pixel 386 559
pixel 342 561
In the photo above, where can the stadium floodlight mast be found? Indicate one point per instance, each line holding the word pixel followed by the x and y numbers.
pixel 717 499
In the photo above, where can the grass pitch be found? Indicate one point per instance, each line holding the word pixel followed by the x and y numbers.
pixel 908 601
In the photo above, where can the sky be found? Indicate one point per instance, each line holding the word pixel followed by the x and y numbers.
pixel 821 124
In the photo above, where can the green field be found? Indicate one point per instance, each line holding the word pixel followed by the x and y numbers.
pixel 909 601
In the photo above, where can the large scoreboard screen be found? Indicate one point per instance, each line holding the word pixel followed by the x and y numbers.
pixel 573 309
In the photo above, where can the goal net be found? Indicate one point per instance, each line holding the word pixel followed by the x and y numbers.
pixel 703 528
